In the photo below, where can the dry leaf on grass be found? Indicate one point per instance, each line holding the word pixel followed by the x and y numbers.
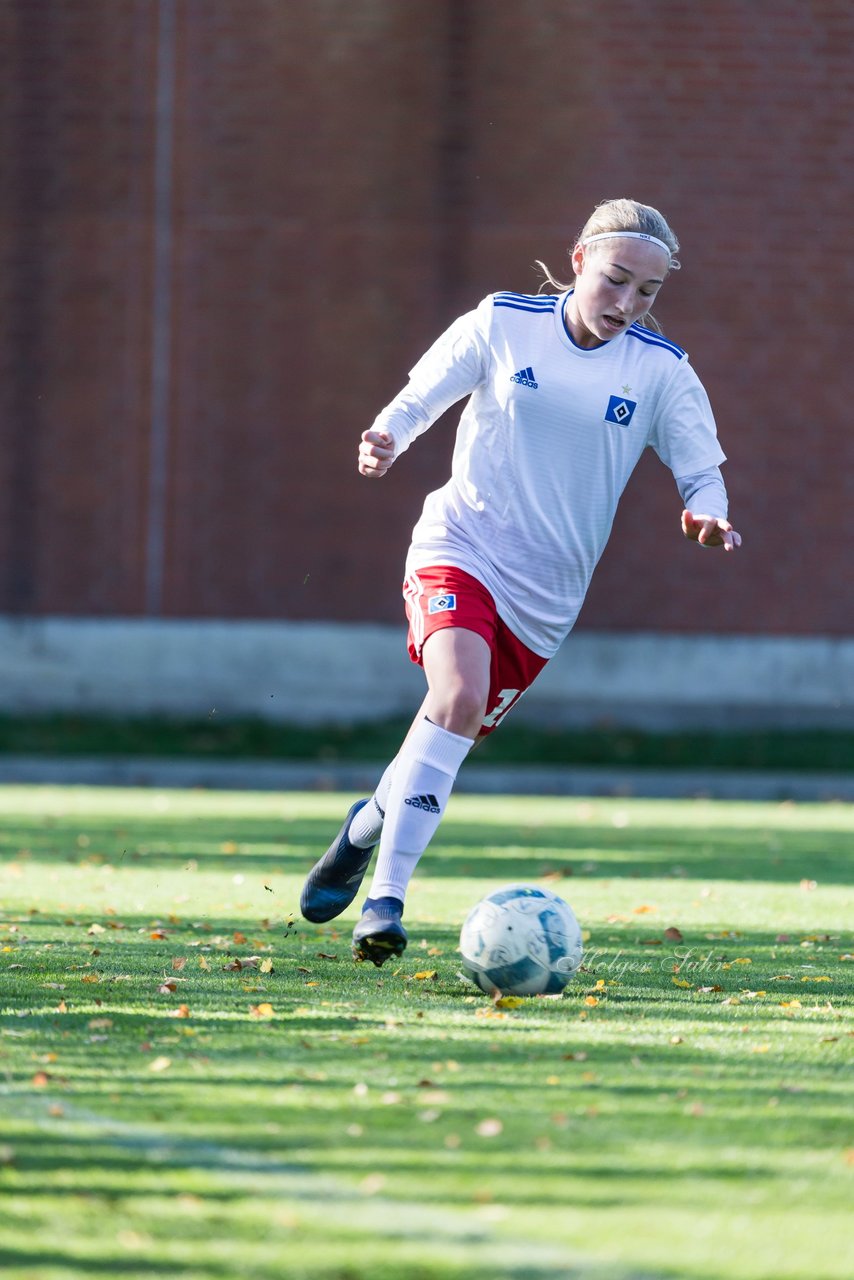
pixel 247 962
pixel 489 1128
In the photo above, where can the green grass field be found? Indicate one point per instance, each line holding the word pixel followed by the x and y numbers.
pixel 682 1111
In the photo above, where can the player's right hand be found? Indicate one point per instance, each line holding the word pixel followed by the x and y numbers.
pixel 376 453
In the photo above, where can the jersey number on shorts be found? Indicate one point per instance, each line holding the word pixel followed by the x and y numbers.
pixel 506 698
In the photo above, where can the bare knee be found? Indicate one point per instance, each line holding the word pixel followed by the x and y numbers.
pixel 459 709
pixel 457 667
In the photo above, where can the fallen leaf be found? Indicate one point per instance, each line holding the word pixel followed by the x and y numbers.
pixel 160 1064
pixel 370 1185
pixel 680 982
pixel 425 974
pixel 248 962
pixel 178 963
pixel 673 934
pixel 489 1128
pixel 261 1010
pixel 508 1002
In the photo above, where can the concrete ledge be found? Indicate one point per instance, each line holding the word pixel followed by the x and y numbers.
pixel 316 673
pixel 356 779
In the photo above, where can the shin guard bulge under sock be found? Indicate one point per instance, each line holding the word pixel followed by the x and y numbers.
pixel 424 776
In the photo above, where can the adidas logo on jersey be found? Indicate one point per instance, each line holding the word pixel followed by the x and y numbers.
pixel 430 803
pixel 525 378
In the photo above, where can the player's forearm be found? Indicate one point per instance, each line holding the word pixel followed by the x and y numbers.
pixel 407 417
pixel 704 491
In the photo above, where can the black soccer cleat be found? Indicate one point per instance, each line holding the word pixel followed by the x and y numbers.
pixel 334 881
pixel 379 935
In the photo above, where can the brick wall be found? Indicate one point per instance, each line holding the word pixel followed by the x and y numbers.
pixel 228 228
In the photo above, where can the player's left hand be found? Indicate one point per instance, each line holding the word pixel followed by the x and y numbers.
pixel 709 531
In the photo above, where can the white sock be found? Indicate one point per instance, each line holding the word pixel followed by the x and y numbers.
pixel 367 824
pixel 424 776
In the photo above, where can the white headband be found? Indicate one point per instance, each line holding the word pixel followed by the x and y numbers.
pixel 629 235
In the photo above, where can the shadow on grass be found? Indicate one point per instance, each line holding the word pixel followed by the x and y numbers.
pixel 37 1261
pixel 723 850
pixel 375 1269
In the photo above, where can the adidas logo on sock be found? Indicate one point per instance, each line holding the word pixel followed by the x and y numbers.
pixel 525 378
pixel 430 803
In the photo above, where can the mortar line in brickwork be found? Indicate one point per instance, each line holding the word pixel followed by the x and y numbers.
pixel 161 307
pixel 455 150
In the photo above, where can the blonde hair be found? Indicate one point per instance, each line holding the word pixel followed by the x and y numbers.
pixel 616 216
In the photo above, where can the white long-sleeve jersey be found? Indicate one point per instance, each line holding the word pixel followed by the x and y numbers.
pixel 544 448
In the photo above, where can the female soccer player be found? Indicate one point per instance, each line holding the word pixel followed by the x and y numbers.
pixel 566 391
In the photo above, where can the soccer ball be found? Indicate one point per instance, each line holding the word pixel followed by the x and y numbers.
pixel 521 940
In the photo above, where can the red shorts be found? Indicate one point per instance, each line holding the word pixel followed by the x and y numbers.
pixel 444 596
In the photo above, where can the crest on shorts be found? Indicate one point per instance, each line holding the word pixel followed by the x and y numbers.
pixel 441 604
pixel 620 410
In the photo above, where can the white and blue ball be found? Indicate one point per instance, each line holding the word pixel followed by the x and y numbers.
pixel 521 940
